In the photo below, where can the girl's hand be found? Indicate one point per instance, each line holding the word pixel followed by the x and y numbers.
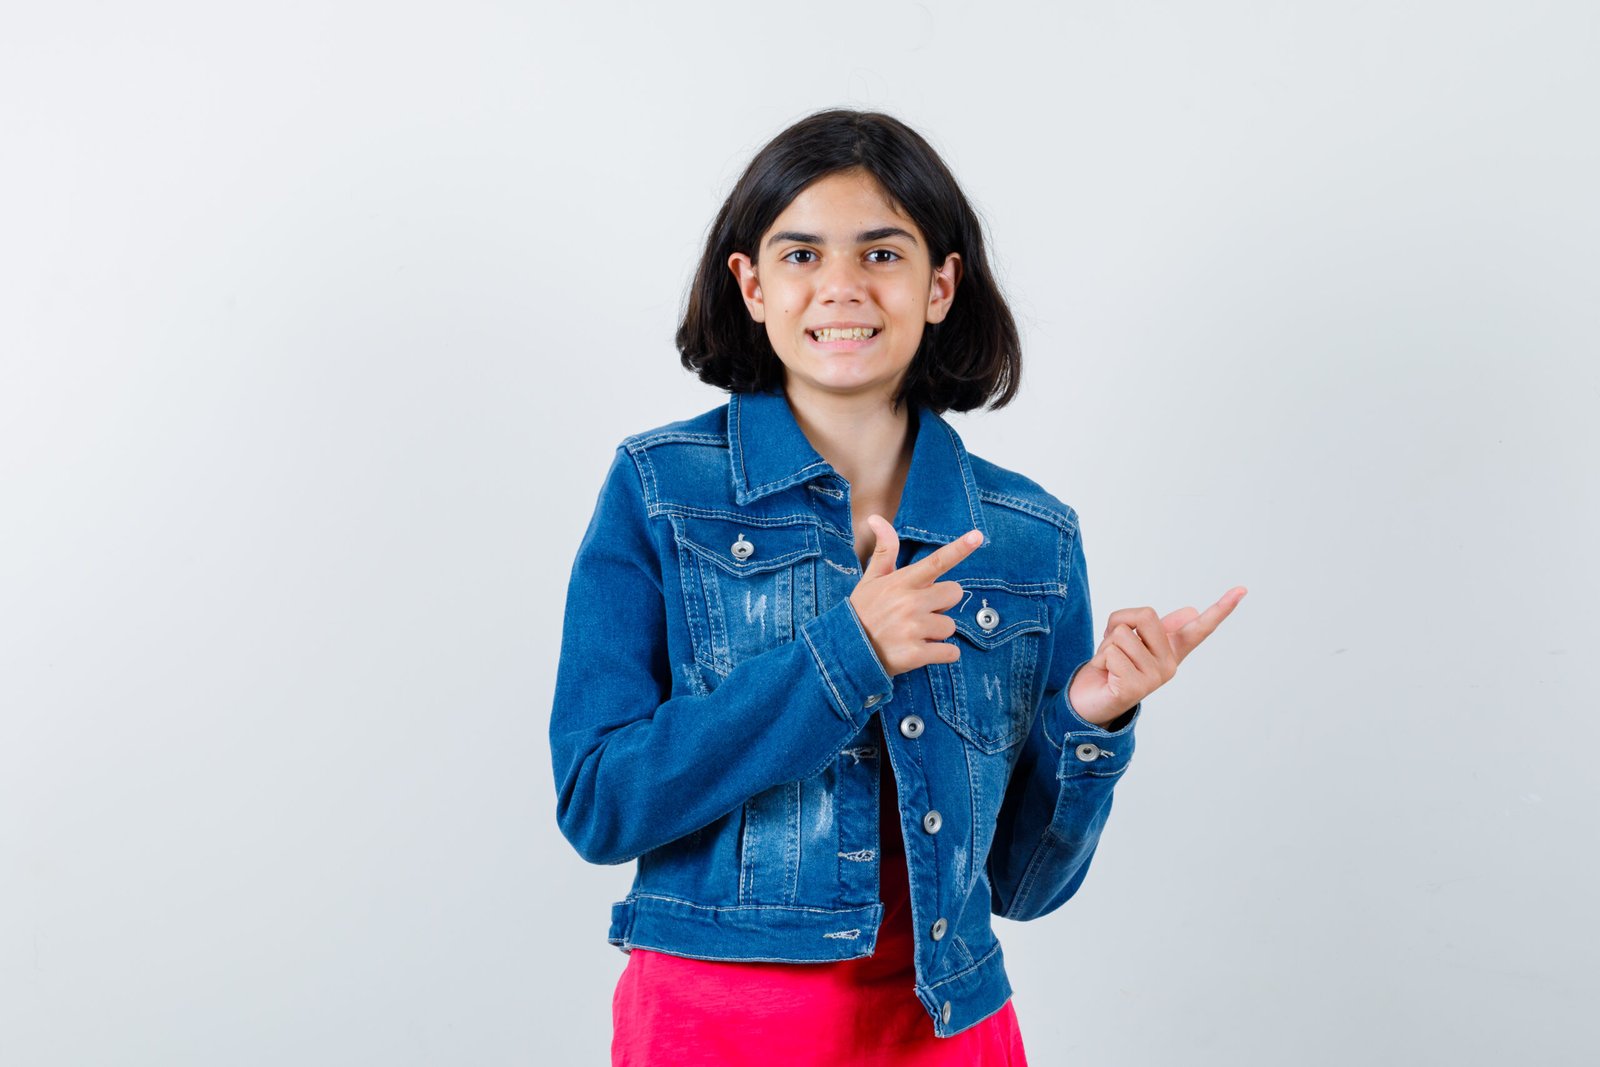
pixel 1139 654
pixel 903 610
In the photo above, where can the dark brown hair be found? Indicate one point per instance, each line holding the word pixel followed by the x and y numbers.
pixel 972 358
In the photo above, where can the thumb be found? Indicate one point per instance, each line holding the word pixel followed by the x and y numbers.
pixel 886 551
pixel 1178 619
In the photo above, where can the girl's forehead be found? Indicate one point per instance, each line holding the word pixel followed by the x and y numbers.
pixel 839 205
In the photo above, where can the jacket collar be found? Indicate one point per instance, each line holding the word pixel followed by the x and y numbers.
pixel 769 452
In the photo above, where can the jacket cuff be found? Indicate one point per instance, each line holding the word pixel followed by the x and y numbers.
pixel 1102 751
pixel 850 669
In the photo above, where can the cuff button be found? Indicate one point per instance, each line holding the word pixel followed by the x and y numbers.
pixel 1088 751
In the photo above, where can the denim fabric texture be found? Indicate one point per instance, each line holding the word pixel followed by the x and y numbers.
pixel 716 694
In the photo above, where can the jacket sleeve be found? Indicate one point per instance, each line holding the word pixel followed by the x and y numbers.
pixel 636 767
pixel 1059 795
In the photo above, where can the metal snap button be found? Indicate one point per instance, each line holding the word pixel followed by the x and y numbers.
pixel 944 1013
pixel 873 699
pixel 988 618
pixel 1088 751
pixel 932 821
pixel 911 726
pixel 939 927
pixel 742 549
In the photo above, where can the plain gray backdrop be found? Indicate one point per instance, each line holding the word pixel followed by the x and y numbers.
pixel 318 325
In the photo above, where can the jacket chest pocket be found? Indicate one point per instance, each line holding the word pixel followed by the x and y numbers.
pixel 991 695
pixel 747 584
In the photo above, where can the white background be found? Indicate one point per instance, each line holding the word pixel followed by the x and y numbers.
pixel 318 325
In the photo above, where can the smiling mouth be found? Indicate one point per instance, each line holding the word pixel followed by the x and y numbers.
pixel 854 333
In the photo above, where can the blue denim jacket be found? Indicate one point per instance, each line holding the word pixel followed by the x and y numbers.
pixel 715 698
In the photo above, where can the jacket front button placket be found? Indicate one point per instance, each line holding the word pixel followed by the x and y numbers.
pixel 939 927
pixel 932 821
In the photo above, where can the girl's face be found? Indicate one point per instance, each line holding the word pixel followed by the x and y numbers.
pixel 840 255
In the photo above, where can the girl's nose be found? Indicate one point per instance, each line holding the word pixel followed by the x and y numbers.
pixel 842 280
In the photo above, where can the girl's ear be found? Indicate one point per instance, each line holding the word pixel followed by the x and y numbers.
pixel 749 285
pixel 942 290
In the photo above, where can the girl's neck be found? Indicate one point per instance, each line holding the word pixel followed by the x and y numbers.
pixel 861 437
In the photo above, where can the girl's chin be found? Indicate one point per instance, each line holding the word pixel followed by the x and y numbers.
pixel 859 364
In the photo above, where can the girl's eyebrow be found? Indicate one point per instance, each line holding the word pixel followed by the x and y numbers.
pixel 861 238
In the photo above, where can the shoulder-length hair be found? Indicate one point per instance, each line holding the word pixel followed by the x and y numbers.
pixel 972 358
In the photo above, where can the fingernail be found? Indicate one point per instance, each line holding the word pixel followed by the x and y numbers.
pixel 973 538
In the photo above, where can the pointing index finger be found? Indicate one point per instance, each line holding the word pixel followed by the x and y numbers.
pixel 927 569
pixel 1203 625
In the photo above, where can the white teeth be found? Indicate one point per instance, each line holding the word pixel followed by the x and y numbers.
pixel 855 333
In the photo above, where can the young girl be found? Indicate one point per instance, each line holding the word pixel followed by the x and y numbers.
pixel 836 744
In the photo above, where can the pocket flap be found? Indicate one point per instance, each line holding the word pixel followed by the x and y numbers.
pixel 768 546
pixel 1006 613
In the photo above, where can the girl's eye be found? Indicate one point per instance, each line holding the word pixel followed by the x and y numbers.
pixel 889 253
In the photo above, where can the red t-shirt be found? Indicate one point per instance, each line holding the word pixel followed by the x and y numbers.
pixel 669 1010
